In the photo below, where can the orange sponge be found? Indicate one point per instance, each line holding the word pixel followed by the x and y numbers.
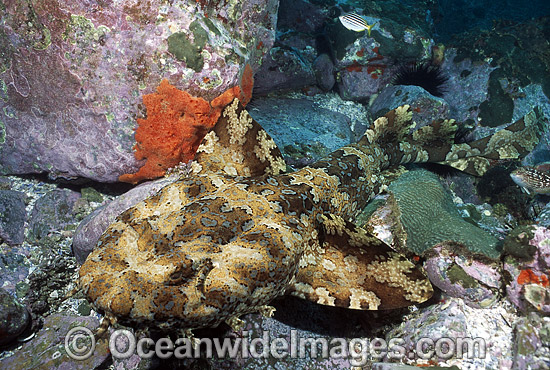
pixel 176 124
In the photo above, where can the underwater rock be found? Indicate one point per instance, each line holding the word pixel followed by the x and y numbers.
pixel 302 16
pixel 92 226
pixel 52 212
pixel 543 218
pixel 423 105
pixel 283 69
pixel 289 65
pixel 461 274
pixel 467 86
pixel 365 62
pixel 532 339
pixel 453 322
pixel 14 268
pixel 527 262
pixel 356 83
pixel 323 68
pixel 12 216
pixel 47 349
pixel 422 214
pixel 72 74
pixel 303 131
pixel 14 318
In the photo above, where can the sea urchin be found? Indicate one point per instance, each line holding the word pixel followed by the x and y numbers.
pixel 426 75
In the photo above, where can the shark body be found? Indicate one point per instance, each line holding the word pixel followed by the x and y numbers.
pixel 240 232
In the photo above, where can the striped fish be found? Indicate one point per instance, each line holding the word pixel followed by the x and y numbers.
pixel 355 22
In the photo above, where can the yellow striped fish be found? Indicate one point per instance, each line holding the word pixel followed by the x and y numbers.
pixel 355 22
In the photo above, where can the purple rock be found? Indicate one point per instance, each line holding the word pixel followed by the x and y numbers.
pixel 47 350
pixel 72 74
pixel 453 322
pixel 424 106
pixel 283 69
pixel 528 287
pixel 90 229
pixel 14 267
pixel 323 68
pixel 466 87
pixel 359 84
pixel 531 342
pixel 454 270
pixel 12 221
pixel 14 318
pixel 52 211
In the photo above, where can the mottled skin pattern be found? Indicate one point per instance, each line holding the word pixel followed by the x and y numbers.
pixel 235 235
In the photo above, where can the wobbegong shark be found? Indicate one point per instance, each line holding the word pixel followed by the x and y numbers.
pixel 240 232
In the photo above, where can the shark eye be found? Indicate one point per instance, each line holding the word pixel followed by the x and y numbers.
pixel 176 278
pixel 182 273
pixel 191 273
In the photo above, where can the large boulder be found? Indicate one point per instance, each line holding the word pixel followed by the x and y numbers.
pixel 72 74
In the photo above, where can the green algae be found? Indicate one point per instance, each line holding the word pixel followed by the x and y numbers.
pixel 81 30
pixel 91 195
pixel 457 275
pixel 2 132
pixel 183 49
pixel 517 244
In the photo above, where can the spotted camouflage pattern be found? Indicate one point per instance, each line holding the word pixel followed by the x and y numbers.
pixel 238 233
pixel 532 180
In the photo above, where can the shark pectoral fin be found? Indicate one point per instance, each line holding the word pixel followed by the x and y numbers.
pixel 355 270
pixel 239 146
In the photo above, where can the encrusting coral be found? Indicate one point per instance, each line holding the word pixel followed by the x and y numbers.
pixel 176 124
pixel 429 216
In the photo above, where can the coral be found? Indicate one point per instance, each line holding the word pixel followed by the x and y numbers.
pixel 528 276
pixel 428 216
pixel 176 124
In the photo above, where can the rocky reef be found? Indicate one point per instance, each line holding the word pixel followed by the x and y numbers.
pixel 72 75
pixel 103 105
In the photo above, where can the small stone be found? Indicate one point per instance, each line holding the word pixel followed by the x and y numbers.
pixel 12 216
pixel 47 349
pixel 52 211
pixel 14 318
pixel 92 226
pixel 459 273
pixel 323 68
